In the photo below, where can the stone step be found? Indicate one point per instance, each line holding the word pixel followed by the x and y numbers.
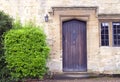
pixel 74 75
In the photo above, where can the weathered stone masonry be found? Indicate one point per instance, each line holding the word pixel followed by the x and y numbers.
pixel 100 59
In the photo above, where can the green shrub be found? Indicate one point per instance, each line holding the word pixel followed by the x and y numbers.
pixel 5 25
pixel 26 52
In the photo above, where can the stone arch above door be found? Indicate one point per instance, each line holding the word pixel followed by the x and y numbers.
pixel 61 14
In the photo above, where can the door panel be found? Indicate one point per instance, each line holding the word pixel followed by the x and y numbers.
pixel 74 46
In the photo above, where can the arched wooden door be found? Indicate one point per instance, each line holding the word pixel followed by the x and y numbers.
pixel 74 46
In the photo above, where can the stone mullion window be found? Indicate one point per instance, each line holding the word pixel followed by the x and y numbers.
pixel 110 33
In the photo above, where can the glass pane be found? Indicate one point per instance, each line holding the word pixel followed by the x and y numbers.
pixel 116 23
pixel 118 37
pixel 106 31
pixel 102 31
pixel 106 37
pixel 118 31
pixel 115 42
pixel 118 42
pixel 115 37
pixel 105 27
pixel 102 43
pixel 114 31
pixel 114 27
pixel 102 37
pixel 118 27
pixel 104 24
pixel 107 42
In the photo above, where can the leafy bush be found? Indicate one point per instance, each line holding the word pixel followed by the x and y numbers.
pixel 26 52
pixel 5 25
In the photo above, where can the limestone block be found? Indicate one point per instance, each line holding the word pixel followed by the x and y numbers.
pixel 55 65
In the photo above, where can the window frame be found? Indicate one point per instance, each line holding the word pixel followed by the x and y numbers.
pixel 110 28
pixel 104 34
pixel 116 35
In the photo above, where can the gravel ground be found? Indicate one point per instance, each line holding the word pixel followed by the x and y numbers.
pixel 100 79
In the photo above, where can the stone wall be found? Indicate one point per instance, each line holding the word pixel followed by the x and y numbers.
pixel 100 59
pixel 38 8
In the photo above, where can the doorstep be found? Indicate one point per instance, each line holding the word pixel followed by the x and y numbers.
pixel 74 75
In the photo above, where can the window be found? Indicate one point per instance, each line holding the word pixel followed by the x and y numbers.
pixel 110 33
pixel 104 34
pixel 116 33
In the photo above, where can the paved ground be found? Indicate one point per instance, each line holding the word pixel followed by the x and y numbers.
pixel 100 79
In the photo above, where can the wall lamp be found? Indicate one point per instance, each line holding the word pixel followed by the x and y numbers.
pixel 46 18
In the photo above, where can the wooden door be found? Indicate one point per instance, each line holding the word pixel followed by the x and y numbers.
pixel 74 46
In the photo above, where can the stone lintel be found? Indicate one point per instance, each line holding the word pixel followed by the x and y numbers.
pixel 53 9
pixel 108 16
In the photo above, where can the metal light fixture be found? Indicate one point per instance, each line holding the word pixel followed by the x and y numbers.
pixel 46 18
